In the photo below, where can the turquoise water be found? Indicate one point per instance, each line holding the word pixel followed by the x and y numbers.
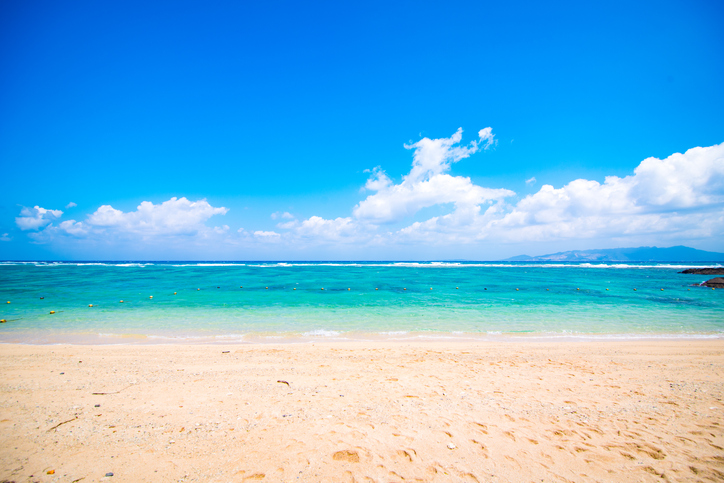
pixel 373 300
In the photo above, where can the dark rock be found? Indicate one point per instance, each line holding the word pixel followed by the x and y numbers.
pixel 717 282
pixel 705 271
pixel 109 474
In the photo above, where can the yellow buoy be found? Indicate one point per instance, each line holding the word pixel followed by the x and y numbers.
pixel 548 290
pixel 121 301
pixel 349 289
pixel 606 289
pixel 151 296
pixel 634 290
pixel 198 289
pixel 2 321
pixel 8 301
pixel 52 311
pixel 517 289
pixel 662 289
pixel 404 288
pixel 241 286
pixel 174 293
pixel 578 289
pixel 376 289
pixel 430 288
pixel 90 305
pixel 322 288
pixel 456 288
pixel 295 288
pixel 266 288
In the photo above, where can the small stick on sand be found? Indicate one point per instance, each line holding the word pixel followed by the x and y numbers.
pixel 108 393
pixel 283 382
pixel 59 424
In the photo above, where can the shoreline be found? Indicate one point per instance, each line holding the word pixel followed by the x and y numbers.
pixel 374 338
pixel 364 411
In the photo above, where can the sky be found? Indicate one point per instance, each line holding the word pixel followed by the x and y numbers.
pixel 358 131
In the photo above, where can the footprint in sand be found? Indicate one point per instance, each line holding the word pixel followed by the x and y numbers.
pixel 346 455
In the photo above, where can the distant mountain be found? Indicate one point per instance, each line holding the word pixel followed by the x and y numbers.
pixel 640 254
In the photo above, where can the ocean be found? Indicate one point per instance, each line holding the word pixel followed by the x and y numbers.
pixel 317 301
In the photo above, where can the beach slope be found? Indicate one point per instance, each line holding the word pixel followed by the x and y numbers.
pixel 364 411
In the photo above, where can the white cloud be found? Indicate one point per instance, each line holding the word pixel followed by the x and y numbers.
pixel 677 198
pixel 682 195
pixel 285 216
pixel 70 205
pixel 75 228
pixel 36 217
pixel 5 237
pixel 427 184
pixel 174 222
pixel 177 216
pixel 266 234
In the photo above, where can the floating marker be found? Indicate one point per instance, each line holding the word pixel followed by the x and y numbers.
pixel 121 302
pixel 430 288
pixel 349 289
pixel 662 289
pixel 266 288
pixel 2 321
pixel 606 289
pixel 174 293
pixel 517 289
pixel 634 290
pixel 485 288
pixel 375 289
pixel 404 289
pixel 456 288
pixel 41 298
pixel 151 296
pixel 294 288
pixel 198 289
pixel 241 286
pixel 8 301
pixel 52 311
pixel 548 290
pixel 90 305
pixel 578 289
pixel 322 288
pixel 218 287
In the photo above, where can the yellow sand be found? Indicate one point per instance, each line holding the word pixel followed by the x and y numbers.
pixel 384 412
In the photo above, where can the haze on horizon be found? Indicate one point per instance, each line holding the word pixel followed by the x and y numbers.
pixel 181 131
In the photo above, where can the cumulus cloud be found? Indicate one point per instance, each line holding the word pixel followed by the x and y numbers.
pixel 683 192
pixel 177 216
pixel 5 237
pixel 427 184
pixel 677 198
pixel 36 218
pixel 70 205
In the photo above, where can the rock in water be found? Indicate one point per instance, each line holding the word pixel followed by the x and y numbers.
pixel 705 271
pixel 717 282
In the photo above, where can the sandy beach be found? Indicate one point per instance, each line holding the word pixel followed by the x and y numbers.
pixel 364 411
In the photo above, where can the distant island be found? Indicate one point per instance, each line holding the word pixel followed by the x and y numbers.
pixel 640 254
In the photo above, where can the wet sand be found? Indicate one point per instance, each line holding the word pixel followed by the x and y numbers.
pixel 383 412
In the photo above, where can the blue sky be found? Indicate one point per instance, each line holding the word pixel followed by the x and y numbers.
pixel 279 130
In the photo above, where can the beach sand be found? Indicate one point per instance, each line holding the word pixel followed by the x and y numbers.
pixel 364 411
